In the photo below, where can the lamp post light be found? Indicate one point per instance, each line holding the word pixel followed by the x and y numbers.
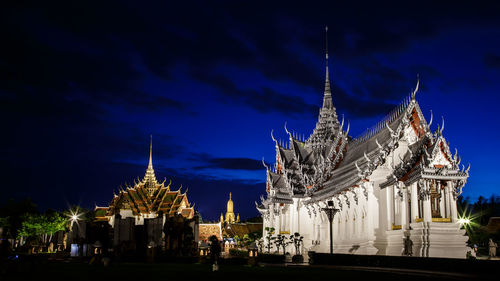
pixel 330 212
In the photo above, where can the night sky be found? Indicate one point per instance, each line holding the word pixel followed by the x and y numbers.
pixel 83 86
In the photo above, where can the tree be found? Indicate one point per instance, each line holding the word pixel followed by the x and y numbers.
pixel 237 240
pixel 42 227
pixel 297 241
pixel 13 212
pixel 4 225
pixel 281 242
pixel 269 238
pixel 479 214
pixel 247 240
pixel 260 244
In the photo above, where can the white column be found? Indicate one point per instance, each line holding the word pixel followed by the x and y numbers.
pixel 372 218
pixel 453 203
pixel 414 202
pixel 396 204
pixel 389 202
pixel 297 212
pixel 427 204
pixel 404 206
pixel 442 202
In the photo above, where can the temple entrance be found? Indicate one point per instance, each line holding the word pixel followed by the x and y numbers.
pixel 435 200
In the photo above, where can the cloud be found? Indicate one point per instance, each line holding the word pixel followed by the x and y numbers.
pixel 56 66
pixel 357 107
pixel 206 161
pixel 492 60
pixel 263 100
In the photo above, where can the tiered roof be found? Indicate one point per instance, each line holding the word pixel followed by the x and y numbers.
pixel 148 197
pixel 330 161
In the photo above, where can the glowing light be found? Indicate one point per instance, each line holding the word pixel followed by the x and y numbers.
pixel 463 220
pixel 74 216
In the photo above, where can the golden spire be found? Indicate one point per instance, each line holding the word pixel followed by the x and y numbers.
pixel 150 178
pixel 150 165
pixel 229 211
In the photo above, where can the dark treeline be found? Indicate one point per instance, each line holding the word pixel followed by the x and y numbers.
pixel 12 214
pixel 22 220
pixel 480 230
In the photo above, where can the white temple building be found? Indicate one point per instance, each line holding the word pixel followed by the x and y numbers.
pixel 398 180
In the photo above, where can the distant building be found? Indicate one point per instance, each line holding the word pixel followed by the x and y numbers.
pixel 208 229
pixel 229 213
pixel 232 227
pixel 493 225
pixel 242 228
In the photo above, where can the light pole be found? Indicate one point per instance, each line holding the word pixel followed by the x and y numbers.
pixel 330 212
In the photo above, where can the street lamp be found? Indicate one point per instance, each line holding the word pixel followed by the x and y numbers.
pixel 74 216
pixel 330 212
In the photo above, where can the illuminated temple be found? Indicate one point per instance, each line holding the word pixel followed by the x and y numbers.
pixel 230 218
pixel 395 183
pixel 146 199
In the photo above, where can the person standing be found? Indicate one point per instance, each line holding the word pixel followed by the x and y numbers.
pixel 215 250
pixel 493 248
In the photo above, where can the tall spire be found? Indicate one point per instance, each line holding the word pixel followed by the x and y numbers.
pixel 328 123
pixel 327 98
pixel 150 165
pixel 150 172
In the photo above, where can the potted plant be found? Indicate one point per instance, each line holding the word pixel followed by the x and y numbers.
pixel 269 238
pixel 281 242
pixel 296 239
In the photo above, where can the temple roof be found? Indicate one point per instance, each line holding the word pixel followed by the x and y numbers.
pixel 330 161
pixel 148 196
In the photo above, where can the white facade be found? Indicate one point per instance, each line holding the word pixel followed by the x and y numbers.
pixel 398 180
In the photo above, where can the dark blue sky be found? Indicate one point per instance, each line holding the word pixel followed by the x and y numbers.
pixel 82 87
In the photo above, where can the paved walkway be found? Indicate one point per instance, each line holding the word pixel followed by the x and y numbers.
pixel 401 271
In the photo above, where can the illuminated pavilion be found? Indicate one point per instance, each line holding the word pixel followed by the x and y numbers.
pixel 147 199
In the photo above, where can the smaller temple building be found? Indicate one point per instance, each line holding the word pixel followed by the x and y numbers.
pixel 147 212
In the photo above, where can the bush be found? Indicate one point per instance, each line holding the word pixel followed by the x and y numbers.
pixel 235 253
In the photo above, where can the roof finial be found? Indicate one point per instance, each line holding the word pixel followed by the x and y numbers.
pixel 150 165
pixel 327 98
pixel 150 172
pixel 229 195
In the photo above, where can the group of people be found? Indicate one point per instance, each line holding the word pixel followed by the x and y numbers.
pixel 492 247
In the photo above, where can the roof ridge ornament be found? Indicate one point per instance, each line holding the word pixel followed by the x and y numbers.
pixel 442 127
pixel 286 130
pixel 264 163
pixel 414 94
pixel 327 95
pixel 272 136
